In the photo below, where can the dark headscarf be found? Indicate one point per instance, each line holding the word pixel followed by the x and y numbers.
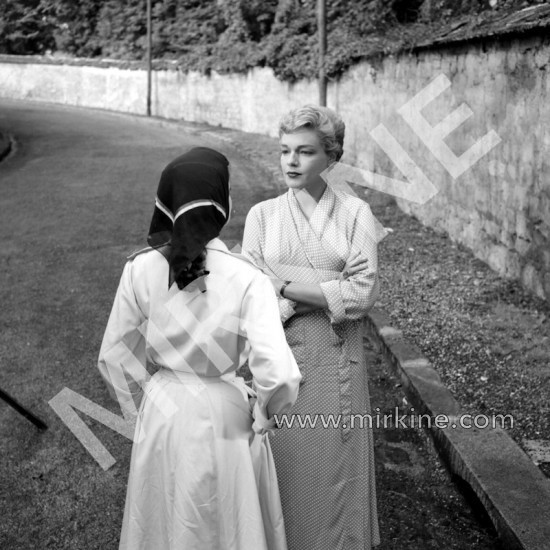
pixel 191 207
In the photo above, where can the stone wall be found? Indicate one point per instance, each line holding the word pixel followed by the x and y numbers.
pixel 500 207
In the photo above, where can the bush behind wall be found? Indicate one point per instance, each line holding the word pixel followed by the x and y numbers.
pixel 231 35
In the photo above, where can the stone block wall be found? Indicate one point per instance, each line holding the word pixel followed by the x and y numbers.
pixel 500 208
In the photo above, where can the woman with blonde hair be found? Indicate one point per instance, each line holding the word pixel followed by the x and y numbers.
pixel 318 246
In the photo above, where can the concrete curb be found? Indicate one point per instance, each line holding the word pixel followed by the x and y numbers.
pixel 5 145
pixel 513 491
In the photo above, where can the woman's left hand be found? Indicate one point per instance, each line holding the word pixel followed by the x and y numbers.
pixel 355 263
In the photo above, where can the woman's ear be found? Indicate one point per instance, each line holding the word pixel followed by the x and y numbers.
pixel 333 159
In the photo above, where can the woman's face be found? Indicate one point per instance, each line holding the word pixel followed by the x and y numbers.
pixel 303 159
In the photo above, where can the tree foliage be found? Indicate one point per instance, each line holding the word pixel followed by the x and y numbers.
pixel 24 27
pixel 229 35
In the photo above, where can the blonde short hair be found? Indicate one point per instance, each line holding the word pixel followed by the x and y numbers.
pixel 325 122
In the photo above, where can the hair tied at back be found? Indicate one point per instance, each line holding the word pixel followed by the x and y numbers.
pixel 194 270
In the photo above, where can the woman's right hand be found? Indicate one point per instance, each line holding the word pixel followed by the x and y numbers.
pixel 356 262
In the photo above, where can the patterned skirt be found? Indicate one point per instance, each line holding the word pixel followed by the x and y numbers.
pixel 325 469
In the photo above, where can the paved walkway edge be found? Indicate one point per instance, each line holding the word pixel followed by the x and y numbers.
pixel 513 491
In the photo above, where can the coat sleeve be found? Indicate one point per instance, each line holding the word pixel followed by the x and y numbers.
pixel 122 355
pixel 252 242
pixel 273 367
pixel 351 299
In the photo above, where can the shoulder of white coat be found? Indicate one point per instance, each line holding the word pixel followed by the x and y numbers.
pixel 236 261
pixel 237 269
pixel 243 260
pixel 139 252
pixel 145 260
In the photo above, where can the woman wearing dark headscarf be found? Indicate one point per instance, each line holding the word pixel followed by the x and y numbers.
pixel 201 473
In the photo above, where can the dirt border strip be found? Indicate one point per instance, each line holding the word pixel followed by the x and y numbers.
pixel 513 491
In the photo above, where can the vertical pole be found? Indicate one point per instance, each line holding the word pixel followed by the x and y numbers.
pixel 322 36
pixel 149 57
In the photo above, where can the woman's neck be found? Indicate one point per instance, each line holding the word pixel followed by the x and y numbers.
pixel 309 198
